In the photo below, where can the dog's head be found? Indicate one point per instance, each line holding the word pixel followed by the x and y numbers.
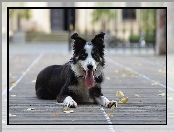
pixel 89 55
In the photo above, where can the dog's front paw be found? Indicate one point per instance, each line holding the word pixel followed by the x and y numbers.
pixel 69 102
pixel 111 103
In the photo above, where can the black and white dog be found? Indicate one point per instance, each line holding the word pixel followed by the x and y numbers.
pixel 78 80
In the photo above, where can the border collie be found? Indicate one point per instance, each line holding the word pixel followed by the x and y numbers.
pixel 78 80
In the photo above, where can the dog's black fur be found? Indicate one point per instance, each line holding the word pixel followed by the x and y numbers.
pixel 54 82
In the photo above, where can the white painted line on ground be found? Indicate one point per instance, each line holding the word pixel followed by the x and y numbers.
pixel 111 128
pixel 27 70
pixel 129 69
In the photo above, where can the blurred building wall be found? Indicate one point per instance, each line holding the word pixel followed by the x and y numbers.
pixel 84 18
pixel 41 18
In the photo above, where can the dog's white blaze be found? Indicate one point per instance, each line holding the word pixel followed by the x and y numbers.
pixel 89 60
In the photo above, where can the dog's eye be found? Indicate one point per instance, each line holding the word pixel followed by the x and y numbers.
pixel 83 55
pixel 94 51
pixel 95 56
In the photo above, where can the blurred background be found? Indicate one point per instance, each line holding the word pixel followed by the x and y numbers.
pixel 127 30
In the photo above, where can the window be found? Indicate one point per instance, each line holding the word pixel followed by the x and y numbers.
pixel 129 14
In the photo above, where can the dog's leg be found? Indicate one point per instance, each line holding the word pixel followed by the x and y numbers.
pixel 67 101
pixel 64 97
pixel 102 100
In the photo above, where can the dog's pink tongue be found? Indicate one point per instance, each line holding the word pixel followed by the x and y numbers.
pixel 89 79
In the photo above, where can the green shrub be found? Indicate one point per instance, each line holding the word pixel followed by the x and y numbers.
pixel 149 39
pixel 134 38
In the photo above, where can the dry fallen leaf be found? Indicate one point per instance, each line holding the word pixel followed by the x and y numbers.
pixel 123 100
pixel 116 71
pixel 154 83
pixel 110 115
pixel 131 73
pixel 68 111
pixel 33 81
pixel 13 84
pixel 108 78
pixel 137 95
pixel 161 94
pixel 55 114
pixel 65 108
pixel 113 107
pixel 123 75
pixel 31 109
pixel 119 94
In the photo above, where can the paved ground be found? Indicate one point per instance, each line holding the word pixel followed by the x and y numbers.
pixel 135 77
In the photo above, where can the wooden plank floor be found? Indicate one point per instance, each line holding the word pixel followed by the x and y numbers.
pixel 135 76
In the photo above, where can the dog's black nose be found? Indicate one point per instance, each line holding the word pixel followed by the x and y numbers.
pixel 90 67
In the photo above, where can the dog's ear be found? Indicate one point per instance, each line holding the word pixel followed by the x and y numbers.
pixel 98 41
pixel 74 36
pixel 78 43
